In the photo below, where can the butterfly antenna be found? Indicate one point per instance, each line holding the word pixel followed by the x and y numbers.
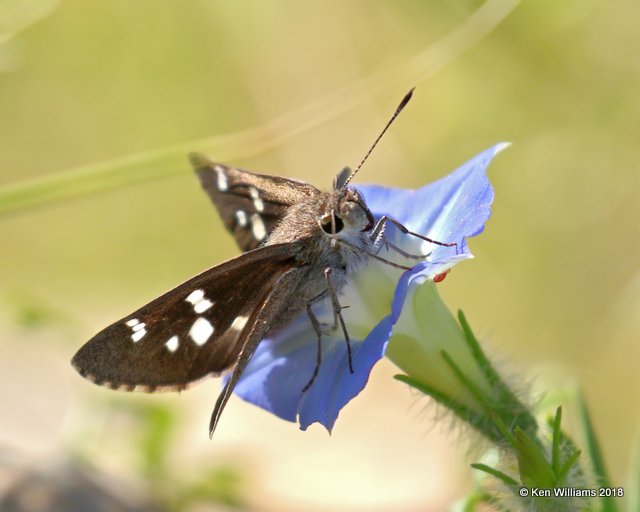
pixel 403 103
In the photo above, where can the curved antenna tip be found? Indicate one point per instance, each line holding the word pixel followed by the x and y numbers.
pixel 405 100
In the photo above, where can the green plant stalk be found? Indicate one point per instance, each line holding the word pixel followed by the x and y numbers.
pixel 607 504
pixel 151 165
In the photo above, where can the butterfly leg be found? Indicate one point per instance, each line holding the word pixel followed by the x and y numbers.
pixel 337 310
pixel 316 327
pixel 376 257
pixel 319 298
pixel 388 243
pixel 380 225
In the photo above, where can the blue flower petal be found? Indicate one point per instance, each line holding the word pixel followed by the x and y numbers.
pixel 335 386
pixel 449 210
pixel 280 369
pixel 420 209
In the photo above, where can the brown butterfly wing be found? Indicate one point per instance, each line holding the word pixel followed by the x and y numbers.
pixel 196 329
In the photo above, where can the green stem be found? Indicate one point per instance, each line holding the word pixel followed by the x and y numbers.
pixel 164 162
pixel 463 412
pixel 513 410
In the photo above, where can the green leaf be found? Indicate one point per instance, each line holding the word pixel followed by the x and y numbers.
pixel 535 471
pixel 506 479
pixel 556 440
pixel 562 473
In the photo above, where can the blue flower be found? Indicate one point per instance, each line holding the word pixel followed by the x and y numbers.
pixel 449 210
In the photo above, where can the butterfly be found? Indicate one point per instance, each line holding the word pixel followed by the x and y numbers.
pixel 301 247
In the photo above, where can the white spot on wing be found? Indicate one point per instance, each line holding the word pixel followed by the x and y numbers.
pixel 257 200
pixel 257 227
pixel 199 301
pixel 195 296
pixel 239 323
pixel 201 331
pixel 222 182
pixel 138 327
pixel 242 219
pixel 202 306
pixel 172 343
pixel 138 335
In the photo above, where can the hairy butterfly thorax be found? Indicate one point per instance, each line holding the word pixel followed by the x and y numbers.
pixel 336 228
pixel 300 246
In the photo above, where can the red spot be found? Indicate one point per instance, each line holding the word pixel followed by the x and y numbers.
pixel 438 278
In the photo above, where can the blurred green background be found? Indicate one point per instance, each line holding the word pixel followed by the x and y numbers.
pixel 554 288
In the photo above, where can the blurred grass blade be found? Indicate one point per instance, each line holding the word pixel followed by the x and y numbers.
pixel 155 164
pixel 607 504
pixel 633 486
pixel 18 15
pixel 87 179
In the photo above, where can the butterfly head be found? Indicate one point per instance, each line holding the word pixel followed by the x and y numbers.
pixel 346 209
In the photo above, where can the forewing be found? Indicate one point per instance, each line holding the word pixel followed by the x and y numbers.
pixel 250 204
pixel 187 333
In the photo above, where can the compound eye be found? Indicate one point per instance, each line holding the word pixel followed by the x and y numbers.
pixel 328 226
pixel 371 221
